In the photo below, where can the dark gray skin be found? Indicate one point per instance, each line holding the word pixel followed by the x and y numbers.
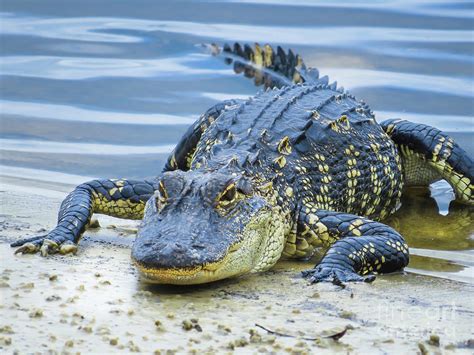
pixel 292 171
pixel 178 230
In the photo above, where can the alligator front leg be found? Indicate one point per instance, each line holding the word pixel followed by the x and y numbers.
pixel 118 198
pixel 358 247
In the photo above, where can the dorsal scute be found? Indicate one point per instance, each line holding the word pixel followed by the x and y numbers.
pixel 306 114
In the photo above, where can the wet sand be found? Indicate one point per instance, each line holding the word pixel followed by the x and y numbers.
pixel 94 302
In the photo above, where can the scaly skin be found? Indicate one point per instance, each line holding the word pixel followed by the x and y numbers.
pixel 290 172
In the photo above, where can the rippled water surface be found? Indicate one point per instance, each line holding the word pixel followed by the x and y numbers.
pixel 106 88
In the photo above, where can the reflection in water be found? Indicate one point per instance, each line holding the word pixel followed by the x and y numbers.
pixel 440 244
pixel 420 222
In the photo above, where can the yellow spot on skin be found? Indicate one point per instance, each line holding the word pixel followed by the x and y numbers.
pixel 374 147
pixel 280 161
pixel 334 126
pixel 265 188
pixel 173 163
pixel 284 146
pixel 312 219
pixel 344 122
pixel 257 56
pixel 112 191
pixel 326 179
pixel 289 192
pixel 268 55
pixel 352 173
pixel 320 157
pixel 437 148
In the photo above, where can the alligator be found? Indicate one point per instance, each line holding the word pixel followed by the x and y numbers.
pixel 302 168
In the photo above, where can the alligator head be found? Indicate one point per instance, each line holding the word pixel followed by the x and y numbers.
pixel 200 227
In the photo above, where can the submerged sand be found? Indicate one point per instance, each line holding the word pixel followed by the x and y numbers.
pixel 94 302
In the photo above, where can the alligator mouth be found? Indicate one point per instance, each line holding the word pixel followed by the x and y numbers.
pixel 182 276
pixel 168 276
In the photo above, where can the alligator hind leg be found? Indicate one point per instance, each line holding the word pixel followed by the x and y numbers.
pixel 118 198
pixel 429 155
pixel 358 247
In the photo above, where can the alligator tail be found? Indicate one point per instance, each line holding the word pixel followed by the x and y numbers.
pixel 267 66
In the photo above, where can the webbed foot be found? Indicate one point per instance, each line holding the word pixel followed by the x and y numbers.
pixel 51 243
pixel 337 276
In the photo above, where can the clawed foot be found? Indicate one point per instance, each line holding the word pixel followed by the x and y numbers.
pixel 46 244
pixel 335 275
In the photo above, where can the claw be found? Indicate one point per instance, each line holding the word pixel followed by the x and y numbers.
pixel 336 276
pixel 68 248
pixel 48 247
pixel 28 248
pixel 44 250
pixel 369 278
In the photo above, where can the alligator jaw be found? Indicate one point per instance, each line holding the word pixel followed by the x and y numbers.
pixel 184 276
pixel 169 276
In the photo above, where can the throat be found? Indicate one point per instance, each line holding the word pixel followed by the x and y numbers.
pixel 272 229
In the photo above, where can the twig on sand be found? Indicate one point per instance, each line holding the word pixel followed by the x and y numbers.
pixel 335 336
pixel 282 334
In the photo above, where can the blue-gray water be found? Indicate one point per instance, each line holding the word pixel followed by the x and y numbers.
pixel 106 88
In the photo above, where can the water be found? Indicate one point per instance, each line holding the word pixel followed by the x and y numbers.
pixel 105 89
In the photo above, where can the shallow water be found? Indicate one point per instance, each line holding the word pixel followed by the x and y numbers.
pixel 107 88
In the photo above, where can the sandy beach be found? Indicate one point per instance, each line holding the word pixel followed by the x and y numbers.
pixel 94 302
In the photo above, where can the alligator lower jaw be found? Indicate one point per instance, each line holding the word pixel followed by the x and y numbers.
pixel 185 276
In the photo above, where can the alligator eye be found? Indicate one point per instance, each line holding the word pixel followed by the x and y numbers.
pixel 229 193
